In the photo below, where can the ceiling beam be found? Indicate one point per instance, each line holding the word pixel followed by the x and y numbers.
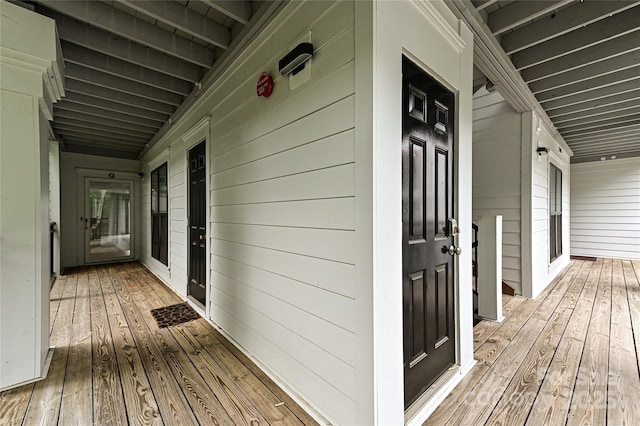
pixel 565 20
pixel 601 124
pixel 107 121
pixel 97 143
pixel 613 110
pixel 78 72
pixel 185 19
pixel 115 96
pixel 94 127
pixel 71 136
pixel 634 125
pixel 608 49
pixel 97 133
pixel 118 22
pixel 587 85
pixel 97 40
pixel 582 38
pixel 591 71
pixel 520 12
pixel 67 105
pixel 615 135
pixel 597 103
pixel 597 118
pixel 80 149
pixel 238 10
pixel 598 93
pixel 494 63
pixel 110 65
pixel 483 4
pixel 85 99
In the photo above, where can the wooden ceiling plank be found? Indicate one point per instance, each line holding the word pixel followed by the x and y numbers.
pixel 185 19
pixel 110 19
pixel 92 101
pixel 586 73
pixel 583 38
pixel 111 65
pixel 103 42
pixel 520 12
pixel 566 20
pixel 110 81
pixel 596 104
pixel 238 10
pixel 601 52
pixel 115 96
pixel 597 93
pixel 67 105
pixel 107 121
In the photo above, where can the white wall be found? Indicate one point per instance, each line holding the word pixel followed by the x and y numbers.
pixel 28 46
pixel 535 205
pixel 429 35
pixel 54 200
pixel 497 136
pixel 605 209
pixel 71 165
pixel 293 275
pixel 282 208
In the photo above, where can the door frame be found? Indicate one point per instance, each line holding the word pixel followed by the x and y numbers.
pixel 198 133
pixel 82 176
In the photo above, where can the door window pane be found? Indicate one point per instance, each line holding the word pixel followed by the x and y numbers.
pixel 109 220
pixel 159 214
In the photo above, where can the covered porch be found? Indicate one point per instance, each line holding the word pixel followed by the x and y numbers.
pixel 566 357
pixel 112 364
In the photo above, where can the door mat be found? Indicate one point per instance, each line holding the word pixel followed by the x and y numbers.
pixel 587 258
pixel 173 315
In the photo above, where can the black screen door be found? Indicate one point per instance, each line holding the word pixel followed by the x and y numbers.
pixel 197 223
pixel 427 206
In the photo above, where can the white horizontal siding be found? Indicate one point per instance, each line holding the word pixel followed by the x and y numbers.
pixel 496 174
pixel 282 208
pixel 605 215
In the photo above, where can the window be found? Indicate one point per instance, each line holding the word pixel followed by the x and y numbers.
pixel 159 214
pixel 555 212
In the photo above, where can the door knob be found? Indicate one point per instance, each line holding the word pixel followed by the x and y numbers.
pixel 203 236
pixel 452 250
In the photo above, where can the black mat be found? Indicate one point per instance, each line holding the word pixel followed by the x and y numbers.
pixel 175 314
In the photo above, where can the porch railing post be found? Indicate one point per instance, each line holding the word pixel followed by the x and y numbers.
pixel 490 268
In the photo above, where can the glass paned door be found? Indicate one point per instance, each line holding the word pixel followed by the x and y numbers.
pixel 108 227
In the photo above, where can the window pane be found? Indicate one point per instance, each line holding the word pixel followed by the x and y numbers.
pixel 162 194
pixel 154 191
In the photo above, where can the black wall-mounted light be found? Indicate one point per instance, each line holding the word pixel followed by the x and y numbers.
pixel 542 150
pixel 293 62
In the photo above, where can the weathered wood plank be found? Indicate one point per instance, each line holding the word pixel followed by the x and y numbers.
pixel 204 402
pixel 173 406
pixel 44 408
pixel 141 404
pixel 77 401
pixel 552 402
pixel 108 400
pixel 588 402
pixel 14 403
pixel 483 330
pixel 264 393
pixel 55 296
pixel 489 352
pixel 623 406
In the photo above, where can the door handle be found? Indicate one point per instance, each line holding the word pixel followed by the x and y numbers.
pixel 452 250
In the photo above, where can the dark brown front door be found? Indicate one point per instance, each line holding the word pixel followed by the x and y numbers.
pixel 427 206
pixel 197 223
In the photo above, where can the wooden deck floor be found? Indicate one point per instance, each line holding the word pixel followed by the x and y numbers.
pixel 568 357
pixel 113 365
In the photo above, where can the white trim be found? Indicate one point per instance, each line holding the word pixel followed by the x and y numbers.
pixel 526 206
pixel 439 23
pixel 197 132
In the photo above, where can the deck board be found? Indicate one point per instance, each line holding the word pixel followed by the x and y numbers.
pixel 568 357
pixel 113 365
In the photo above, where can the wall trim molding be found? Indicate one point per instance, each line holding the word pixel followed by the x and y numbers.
pixel 440 24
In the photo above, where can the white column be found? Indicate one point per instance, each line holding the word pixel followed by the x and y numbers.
pixel 30 81
pixel 490 268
